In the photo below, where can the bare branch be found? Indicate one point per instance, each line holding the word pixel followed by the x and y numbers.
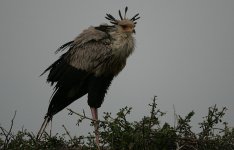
pixel 85 117
pixel 68 133
pixel 8 133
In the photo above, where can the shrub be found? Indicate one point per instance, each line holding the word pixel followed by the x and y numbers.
pixel 120 134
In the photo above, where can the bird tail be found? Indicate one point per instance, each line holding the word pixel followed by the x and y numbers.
pixel 43 126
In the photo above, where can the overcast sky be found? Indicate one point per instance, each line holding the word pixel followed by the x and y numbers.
pixel 184 55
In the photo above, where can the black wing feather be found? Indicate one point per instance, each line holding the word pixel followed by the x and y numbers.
pixel 73 81
pixel 64 46
pixel 70 84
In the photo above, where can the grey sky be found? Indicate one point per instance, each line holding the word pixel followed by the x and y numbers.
pixel 184 55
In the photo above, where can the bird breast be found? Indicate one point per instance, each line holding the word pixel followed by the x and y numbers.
pixel 122 47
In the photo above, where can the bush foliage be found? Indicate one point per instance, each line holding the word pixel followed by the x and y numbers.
pixel 118 133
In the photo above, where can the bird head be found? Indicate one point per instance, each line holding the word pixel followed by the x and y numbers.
pixel 124 24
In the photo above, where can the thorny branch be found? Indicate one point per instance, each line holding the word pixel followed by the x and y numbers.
pixel 84 116
pixel 100 121
pixel 152 111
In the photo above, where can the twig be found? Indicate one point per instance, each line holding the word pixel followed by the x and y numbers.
pixel 175 117
pixel 32 137
pixel 3 131
pixel 7 133
pixel 68 133
pixel 178 147
pixel 85 117
pixel 152 111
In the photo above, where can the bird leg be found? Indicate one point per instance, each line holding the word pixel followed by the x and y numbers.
pixel 94 112
pixel 43 127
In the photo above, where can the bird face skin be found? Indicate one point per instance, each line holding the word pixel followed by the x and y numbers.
pixel 124 24
pixel 127 26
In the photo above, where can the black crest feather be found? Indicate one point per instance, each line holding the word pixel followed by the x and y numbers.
pixel 115 22
pixel 120 15
pixel 126 9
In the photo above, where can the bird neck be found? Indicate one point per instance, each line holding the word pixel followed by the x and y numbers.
pixel 122 43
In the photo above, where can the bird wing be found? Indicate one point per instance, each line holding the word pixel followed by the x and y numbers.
pixel 90 49
pixel 83 57
pixel 72 71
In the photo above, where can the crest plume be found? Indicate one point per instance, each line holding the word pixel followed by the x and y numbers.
pixel 120 15
pixel 115 21
pixel 126 9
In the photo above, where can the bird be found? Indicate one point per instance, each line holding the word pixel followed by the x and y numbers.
pixel 89 64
